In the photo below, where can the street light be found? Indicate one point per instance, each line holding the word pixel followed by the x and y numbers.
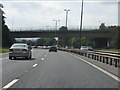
pixel 81 23
pixel 66 15
pixel 56 21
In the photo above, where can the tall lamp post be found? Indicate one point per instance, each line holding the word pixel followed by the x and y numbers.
pixel 56 22
pixel 81 23
pixel 66 15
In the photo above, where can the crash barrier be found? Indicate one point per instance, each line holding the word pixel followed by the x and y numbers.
pixel 105 57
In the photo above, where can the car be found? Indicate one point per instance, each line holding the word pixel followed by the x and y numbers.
pixel 35 46
pixel 20 50
pixel 85 48
pixel 53 48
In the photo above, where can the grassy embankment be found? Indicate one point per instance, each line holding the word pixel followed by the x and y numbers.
pixel 114 50
pixel 4 50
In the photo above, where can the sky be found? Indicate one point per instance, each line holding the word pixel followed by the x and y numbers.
pixel 30 14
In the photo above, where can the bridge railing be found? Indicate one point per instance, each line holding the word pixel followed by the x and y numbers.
pixel 107 58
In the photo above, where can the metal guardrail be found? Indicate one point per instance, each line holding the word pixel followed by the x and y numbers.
pixel 107 58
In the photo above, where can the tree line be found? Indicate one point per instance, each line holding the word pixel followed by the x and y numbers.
pixel 7 39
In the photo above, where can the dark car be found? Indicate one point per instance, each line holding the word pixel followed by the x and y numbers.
pixel 53 48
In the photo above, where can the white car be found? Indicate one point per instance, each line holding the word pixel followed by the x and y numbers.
pixel 20 50
pixel 85 48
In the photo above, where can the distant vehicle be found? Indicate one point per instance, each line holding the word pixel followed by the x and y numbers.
pixel 85 48
pixel 35 46
pixel 20 50
pixel 45 47
pixel 53 48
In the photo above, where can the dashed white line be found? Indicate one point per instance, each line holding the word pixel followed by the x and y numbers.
pixel 10 84
pixel 34 65
pixel 45 55
pixel 100 69
pixel 42 59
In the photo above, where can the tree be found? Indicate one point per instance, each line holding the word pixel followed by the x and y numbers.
pixel 23 41
pixel 86 42
pixel 7 39
pixel 74 42
pixel 63 28
pixel 61 42
pixel 64 41
pixel 102 26
pixel 39 42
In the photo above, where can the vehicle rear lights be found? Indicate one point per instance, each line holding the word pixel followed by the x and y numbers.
pixel 11 50
pixel 24 50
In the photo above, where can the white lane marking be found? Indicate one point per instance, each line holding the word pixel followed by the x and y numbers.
pixel 42 59
pixel 3 53
pixel 34 65
pixel 45 55
pixel 10 84
pixel 4 58
pixel 100 69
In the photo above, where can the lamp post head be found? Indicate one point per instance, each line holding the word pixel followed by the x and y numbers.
pixel 67 10
pixel 1 6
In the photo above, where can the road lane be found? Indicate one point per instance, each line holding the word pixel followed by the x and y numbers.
pixel 12 69
pixel 60 70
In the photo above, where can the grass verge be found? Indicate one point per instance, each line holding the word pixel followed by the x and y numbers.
pixel 114 50
pixel 4 50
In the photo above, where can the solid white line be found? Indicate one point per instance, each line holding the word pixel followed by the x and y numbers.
pixel 100 69
pixel 10 84
pixel 42 59
pixel 34 65
pixel 3 53
pixel 4 58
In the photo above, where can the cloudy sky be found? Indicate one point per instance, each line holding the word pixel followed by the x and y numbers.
pixel 21 14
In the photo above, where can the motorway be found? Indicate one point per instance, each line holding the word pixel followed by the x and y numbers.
pixel 53 70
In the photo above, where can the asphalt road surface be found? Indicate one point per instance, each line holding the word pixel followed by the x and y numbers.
pixel 53 70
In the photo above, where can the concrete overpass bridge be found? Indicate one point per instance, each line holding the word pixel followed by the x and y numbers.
pixel 51 33
pixel 99 36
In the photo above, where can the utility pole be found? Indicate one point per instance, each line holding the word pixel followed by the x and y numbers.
pixel 66 15
pixel 81 23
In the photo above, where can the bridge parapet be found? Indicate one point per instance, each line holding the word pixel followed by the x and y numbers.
pixel 89 34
